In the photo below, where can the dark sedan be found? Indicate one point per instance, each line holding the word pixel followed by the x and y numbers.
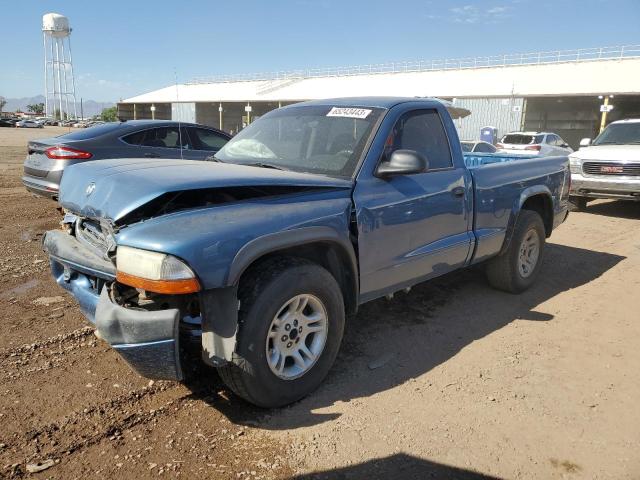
pixel 47 158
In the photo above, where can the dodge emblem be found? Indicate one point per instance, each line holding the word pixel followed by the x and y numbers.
pixel 90 188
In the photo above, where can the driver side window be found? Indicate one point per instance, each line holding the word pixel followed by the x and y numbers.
pixel 423 131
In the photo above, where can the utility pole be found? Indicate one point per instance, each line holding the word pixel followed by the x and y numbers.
pixel 81 110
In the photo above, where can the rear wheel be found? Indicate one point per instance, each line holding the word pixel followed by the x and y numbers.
pixel 291 322
pixel 577 204
pixel 516 269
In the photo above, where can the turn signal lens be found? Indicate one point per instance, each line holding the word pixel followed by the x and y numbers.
pixel 190 285
pixel 154 271
pixel 67 153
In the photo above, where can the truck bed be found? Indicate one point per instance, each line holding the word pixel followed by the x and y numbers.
pixel 501 185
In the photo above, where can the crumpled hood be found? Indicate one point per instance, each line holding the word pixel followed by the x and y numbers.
pixel 618 153
pixel 112 189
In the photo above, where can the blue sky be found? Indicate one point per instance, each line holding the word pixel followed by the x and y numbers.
pixel 122 48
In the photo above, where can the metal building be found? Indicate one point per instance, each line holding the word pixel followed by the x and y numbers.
pixel 560 91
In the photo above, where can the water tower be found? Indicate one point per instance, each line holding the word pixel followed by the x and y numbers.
pixel 59 84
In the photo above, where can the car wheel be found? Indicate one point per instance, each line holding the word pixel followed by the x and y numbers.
pixel 516 269
pixel 291 321
pixel 577 204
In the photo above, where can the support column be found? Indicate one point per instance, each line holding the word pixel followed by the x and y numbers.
pixel 603 120
pixel 220 110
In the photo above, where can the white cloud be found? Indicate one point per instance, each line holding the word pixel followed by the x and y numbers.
pixel 471 14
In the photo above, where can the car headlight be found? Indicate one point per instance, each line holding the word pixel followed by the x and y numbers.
pixel 575 165
pixel 154 271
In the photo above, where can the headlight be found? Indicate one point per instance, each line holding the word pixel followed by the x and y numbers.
pixel 575 165
pixel 154 271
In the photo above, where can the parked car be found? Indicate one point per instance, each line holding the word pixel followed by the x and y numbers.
pixel 29 124
pixel 470 146
pixel 5 122
pixel 542 144
pixel 47 158
pixel 608 167
pixel 308 212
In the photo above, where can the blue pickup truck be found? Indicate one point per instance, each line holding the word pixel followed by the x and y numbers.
pixel 256 257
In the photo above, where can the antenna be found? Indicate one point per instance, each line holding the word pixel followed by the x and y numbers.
pixel 175 76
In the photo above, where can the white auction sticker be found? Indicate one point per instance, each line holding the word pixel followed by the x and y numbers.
pixel 348 112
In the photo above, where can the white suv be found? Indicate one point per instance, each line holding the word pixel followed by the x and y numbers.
pixel 543 144
pixel 608 167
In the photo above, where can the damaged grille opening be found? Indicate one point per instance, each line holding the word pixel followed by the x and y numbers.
pixel 172 202
pixel 188 305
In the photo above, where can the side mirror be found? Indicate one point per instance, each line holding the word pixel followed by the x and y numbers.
pixel 403 162
pixel 585 142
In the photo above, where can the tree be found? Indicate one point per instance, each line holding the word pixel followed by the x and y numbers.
pixel 3 102
pixel 37 108
pixel 109 114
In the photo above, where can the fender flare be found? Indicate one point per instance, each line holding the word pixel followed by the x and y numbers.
pixel 526 194
pixel 273 242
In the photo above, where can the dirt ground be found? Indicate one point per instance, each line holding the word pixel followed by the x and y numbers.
pixel 453 380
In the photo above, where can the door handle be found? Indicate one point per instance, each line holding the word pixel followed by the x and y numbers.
pixel 458 192
pixel 152 155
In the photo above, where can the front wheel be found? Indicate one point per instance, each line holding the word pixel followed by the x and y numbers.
pixel 516 269
pixel 291 321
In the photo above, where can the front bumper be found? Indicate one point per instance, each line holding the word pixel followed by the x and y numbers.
pixel 627 188
pixel 147 340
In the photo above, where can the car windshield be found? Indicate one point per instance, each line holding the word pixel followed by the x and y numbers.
pixel 321 139
pixel 93 131
pixel 467 146
pixel 619 134
pixel 521 139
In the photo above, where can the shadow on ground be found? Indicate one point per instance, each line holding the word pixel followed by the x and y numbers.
pixel 619 208
pixel 400 467
pixel 415 332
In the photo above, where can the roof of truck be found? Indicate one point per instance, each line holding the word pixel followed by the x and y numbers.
pixel 628 120
pixel 385 102
pixel 381 102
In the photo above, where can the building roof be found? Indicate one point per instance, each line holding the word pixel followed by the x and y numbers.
pixel 591 76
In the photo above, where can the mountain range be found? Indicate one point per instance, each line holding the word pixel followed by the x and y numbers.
pixel 89 107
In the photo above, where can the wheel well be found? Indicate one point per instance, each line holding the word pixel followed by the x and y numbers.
pixel 330 256
pixel 541 204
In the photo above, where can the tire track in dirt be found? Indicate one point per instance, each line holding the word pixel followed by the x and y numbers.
pixel 87 426
pixel 43 355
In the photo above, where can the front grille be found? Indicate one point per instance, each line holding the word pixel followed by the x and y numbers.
pixel 611 168
pixel 90 233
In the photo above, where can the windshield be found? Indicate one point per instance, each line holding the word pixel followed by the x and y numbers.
pixel 619 134
pixel 466 146
pixel 520 139
pixel 314 139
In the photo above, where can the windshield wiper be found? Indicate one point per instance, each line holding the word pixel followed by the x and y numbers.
pixel 265 165
pixel 213 158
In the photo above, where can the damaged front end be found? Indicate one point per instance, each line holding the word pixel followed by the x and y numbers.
pixel 150 331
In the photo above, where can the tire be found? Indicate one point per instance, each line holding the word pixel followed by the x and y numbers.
pixel 264 293
pixel 505 272
pixel 577 204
